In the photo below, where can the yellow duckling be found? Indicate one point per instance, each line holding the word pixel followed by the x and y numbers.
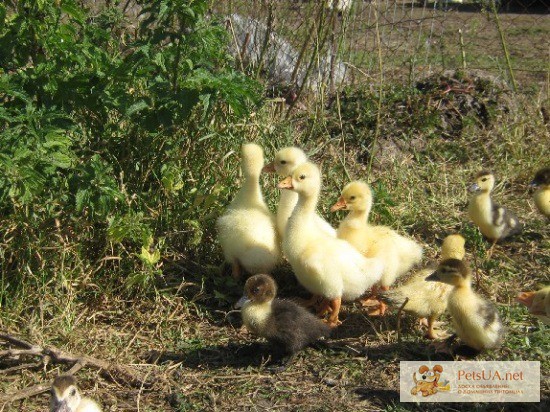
pixel 246 231
pixel 324 265
pixel 283 323
pixel 475 319
pixel 398 253
pixel 427 299
pixel 286 160
pixel 542 194
pixel 65 397
pixel 495 222
pixel 538 303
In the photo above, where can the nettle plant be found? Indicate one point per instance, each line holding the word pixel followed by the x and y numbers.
pixel 105 123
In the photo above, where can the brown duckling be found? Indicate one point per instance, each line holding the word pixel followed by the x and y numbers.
pixel 542 194
pixel 65 397
pixel 475 319
pixel 283 323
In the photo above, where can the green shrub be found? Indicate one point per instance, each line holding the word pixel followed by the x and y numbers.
pixel 104 129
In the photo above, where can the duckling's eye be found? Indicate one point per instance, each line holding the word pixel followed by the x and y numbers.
pixel 283 162
pixel 302 177
pixel 256 290
pixel 352 198
pixel 73 392
pixel 484 179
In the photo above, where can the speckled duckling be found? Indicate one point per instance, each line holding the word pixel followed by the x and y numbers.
pixel 283 323
pixel 65 397
pixel 427 299
pixel 542 194
pixel 475 319
pixel 494 221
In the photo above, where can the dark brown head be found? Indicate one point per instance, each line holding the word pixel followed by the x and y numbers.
pixel 542 177
pixel 260 288
pixel 451 271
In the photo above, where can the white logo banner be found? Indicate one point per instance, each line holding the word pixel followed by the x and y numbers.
pixel 470 381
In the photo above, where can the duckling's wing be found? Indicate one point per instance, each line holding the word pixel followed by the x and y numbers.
pixel 393 297
pixel 506 219
pixel 491 323
pixel 488 312
pixel 293 326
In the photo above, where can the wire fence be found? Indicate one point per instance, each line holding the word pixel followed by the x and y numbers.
pixel 324 44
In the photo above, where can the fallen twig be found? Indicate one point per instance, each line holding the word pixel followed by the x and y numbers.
pixel 117 373
pixel 7 371
pixel 26 393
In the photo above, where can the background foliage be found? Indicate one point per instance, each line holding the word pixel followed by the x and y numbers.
pixel 102 136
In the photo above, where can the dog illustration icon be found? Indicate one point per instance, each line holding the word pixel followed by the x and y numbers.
pixel 429 381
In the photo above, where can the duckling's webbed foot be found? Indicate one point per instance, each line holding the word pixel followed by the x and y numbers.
pixel 323 308
pixel 432 332
pixel 371 298
pixel 369 302
pixel 378 311
pixel 333 320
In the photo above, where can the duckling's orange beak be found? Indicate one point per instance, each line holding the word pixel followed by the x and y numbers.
pixel 286 183
pixel 526 298
pixel 269 168
pixel 340 204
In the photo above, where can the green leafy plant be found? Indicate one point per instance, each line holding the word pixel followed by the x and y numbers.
pixel 100 133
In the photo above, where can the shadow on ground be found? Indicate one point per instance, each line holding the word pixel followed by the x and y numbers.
pixel 232 355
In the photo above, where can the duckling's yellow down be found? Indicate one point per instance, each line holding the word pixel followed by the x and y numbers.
pixel 398 252
pixel 247 230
